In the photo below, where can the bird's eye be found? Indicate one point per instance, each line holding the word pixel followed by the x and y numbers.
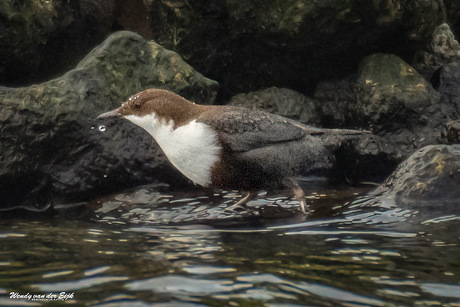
pixel 136 105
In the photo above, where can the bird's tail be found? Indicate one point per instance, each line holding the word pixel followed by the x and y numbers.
pixel 336 137
pixel 348 132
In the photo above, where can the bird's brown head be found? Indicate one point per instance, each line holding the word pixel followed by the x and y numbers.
pixel 163 103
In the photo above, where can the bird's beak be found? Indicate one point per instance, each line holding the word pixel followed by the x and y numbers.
pixel 113 113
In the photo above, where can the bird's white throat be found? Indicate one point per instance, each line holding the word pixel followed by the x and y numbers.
pixel 192 148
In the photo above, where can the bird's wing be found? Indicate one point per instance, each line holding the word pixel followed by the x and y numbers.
pixel 242 129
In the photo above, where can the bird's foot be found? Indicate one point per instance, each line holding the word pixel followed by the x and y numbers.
pixel 236 207
pixel 241 204
pixel 304 208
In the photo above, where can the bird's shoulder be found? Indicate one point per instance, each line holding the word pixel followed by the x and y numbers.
pixel 243 129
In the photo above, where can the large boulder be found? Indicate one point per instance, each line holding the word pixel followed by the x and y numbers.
pixel 393 100
pixel 428 178
pixel 393 94
pixel 424 189
pixel 51 146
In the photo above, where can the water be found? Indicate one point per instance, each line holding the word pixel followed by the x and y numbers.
pixel 155 247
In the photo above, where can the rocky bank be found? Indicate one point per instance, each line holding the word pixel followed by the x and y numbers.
pixel 391 67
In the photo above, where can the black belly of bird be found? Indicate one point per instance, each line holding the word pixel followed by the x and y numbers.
pixel 234 173
pixel 263 168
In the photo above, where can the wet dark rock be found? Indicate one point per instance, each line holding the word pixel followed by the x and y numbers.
pixel 451 133
pixel 452 9
pixel 393 100
pixel 290 43
pixel 245 46
pixel 442 49
pixel 42 39
pixel 367 158
pixel 393 95
pixel 386 96
pixel 431 176
pixel 281 101
pixel 51 144
pixel 446 80
pixel 133 15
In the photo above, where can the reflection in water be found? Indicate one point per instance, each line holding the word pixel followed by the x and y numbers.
pixel 154 247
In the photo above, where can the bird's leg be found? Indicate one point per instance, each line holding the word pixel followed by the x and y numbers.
pixel 299 194
pixel 251 195
pixel 242 202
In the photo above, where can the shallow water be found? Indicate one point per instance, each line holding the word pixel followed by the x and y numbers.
pixel 155 247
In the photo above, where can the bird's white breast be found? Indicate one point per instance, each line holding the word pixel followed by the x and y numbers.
pixel 192 148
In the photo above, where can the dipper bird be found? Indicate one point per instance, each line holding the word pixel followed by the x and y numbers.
pixel 232 147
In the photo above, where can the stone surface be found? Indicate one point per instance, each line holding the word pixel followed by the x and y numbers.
pixel 451 133
pixel 394 95
pixel 42 39
pixel 291 43
pixel 368 158
pixel 446 80
pixel 281 101
pixel 441 50
pixel 393 100
pixel 51 146
pixel 386 96
pixel 444 44
pixel 430 176
pixel 452 13
pixel 350 58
